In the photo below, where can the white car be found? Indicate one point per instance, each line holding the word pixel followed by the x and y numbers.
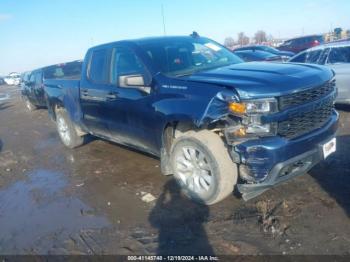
pixel 336 56
pixel 13 79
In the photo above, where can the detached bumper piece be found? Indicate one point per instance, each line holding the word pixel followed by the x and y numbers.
pixel 281 172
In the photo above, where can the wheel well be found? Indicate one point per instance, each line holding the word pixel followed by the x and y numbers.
pixel 53 110
pixel 173 130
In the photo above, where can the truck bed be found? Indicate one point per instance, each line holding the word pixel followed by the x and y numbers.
pixel 65 93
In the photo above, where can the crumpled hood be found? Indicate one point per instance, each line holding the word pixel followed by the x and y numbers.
pixel 260 80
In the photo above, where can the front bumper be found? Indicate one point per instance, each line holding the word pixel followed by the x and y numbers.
pixel 266 158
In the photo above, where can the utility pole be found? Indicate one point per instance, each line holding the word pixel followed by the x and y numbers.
pixel 163 16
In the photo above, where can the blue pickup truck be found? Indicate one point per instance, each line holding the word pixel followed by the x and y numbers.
pixel 32 83
pixel 215 122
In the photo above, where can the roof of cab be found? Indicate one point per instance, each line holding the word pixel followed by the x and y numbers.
pixel 145 40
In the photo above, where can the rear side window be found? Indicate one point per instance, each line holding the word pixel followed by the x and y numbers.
pixel 26 77
pixel 70 70
pixel 299 58
pixel 313 56
pixel 339 55
pixel 298 41
pixel 286 43
pixel 243 56
pixel 99 66
pixel 319 39
pixel 323 56
pixel 38 79
pixel 32 77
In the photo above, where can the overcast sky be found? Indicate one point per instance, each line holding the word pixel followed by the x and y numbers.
pixel 35 33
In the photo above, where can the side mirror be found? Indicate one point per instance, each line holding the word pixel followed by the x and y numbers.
pixel 135 81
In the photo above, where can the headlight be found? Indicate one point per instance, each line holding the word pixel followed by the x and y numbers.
pixel 250 113
pixel 251 130
pixel 259 106
pixel 252 125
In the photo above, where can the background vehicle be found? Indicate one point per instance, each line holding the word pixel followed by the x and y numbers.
pixel 214 121
pixel 256 55
pixel 285 55
pixel 337 57
pixel 299 44
pixel 12 79
pixel 2 81
pixel 32 88
pixel 24 80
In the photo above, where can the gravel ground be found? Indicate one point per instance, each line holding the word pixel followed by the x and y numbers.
pixel 89 200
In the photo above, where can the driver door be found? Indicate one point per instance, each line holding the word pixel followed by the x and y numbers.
pixel 131 115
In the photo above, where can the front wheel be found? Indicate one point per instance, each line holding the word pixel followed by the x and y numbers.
pixel 202 166
pixel 67 131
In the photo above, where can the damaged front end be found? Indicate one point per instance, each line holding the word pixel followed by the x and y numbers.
pixel 254 131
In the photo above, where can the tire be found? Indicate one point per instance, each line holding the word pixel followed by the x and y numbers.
pixel 29 105
pixel 202 166
pixel 67 131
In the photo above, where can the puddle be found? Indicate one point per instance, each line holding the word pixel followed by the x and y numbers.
pixel 37 208
pixel 4 97
pixel 46 143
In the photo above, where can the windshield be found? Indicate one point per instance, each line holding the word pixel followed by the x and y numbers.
pixel 270 49
pixel 185 56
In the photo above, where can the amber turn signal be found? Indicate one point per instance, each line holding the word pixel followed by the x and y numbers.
pixel 240 132
pixel 239 108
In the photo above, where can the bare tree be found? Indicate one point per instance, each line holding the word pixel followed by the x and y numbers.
pixel 243 39
pixel 260 37
pixel 229 42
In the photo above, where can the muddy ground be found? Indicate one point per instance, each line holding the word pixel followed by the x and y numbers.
pixel 89 200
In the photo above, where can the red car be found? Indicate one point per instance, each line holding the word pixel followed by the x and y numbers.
pixel 299 44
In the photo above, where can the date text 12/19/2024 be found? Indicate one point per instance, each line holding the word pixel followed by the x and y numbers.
pixel 172 258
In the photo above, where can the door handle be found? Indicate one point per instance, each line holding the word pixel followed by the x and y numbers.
pixel 85 93
pixel 111 96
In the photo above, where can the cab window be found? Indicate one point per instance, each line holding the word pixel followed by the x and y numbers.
pixel 313 56
pixel 125 62
pixel 38 79
pixel 323 56
pixel 339 55
pixel 32 78
pixel 299 58
pixel 98 68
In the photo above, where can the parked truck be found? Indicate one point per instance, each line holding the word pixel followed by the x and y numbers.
pixel 32 84
pixel 215 122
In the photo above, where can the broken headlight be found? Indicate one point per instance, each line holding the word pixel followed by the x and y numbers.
pixel 250 114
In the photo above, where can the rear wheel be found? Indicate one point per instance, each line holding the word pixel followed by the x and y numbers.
pixel 202 166
pixel 67 131
pixel 29 105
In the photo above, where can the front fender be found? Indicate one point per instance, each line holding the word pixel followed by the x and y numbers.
pixel 195 109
